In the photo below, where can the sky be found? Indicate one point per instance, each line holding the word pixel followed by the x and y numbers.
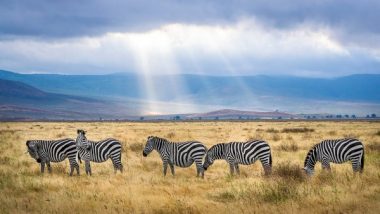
pixel 316 38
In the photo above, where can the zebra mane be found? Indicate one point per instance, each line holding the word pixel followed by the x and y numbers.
pixel 222 145
pixel 157 138
pixel 309 155
pixel 79 131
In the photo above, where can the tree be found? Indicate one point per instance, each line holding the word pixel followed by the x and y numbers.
pixel 353 116
pixel 373 115
pixel 141 118
pixel 177 117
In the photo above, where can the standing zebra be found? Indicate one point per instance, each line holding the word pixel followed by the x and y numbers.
pixel 335 151
pixel 99 151
pixel 181 154
pixel 245 153
pixel 46 151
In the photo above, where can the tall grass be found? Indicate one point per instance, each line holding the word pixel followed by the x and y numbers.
pixel 142 188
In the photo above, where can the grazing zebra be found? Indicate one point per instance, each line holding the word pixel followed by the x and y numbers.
pixel 46 151
pixel 335 151
pixel 181 154
pixel 236 153
pixel 99 151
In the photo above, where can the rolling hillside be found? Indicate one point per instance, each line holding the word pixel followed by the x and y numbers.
pixel 130 94
pixel 21 101
pixel 198 87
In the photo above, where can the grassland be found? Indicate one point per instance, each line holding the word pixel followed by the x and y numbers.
pixel 143 189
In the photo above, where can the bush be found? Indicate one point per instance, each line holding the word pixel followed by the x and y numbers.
pixel 136 147
pixel 276 137
pixel 373 147
pixel 272 130
pixel 170 135
pixel 297 130
pixel 289 147
pixel 290 172
pixel 278 192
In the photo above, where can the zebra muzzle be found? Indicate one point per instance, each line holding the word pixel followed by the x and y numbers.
pixel 144 154
pixel 38 160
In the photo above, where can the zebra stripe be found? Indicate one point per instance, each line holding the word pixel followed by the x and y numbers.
pixel 99 151
pixel 46 151
pixel 335 151
pixel 182 154
pixel 236 153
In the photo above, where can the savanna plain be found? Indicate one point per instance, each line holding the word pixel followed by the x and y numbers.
pixel 142 188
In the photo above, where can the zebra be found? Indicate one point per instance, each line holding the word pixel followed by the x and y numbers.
pixel 46 151
pixel 245 153
pixel 181 154
pixel 98 151
pixel 335 151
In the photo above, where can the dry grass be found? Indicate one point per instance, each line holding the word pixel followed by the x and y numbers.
pixel 297 130
pixel 143 189
pixel 289 147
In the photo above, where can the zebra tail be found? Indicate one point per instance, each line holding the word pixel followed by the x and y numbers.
pixel 270 159
pixel 362 163
pixel 78 158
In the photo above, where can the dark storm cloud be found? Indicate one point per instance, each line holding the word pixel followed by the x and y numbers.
pixel 69 18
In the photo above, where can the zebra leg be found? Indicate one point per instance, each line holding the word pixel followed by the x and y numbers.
pixel 232 168
pixel 88 168
pixel 42 167
pixel 172 168
pixel 71 169
pixel 165 166
pixel 117 164
pixel 73 165
pixel 237 168
pixel 115 167
pixel 200 169
pixel 356 165
pixel 77 168
pixel 326 165
pixel 121 168
pixel 265 162
pixel 48 166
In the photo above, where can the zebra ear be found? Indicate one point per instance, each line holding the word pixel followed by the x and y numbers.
pixel 27 143
pixel 78 131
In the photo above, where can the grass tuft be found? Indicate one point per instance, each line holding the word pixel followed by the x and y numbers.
pixel 373 147
pixel 289 147
pixel 272 130
pixel 290 172
pixel 297 130
pixel 136 147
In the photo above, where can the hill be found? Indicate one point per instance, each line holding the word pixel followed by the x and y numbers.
pixel 19 101
pixel 185 93
pixel 234 114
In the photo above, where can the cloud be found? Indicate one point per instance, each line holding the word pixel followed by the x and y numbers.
pixel 247 46
pixel 72 18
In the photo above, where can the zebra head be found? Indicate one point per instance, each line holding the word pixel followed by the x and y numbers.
pixel 149 146
pixel 210 156
pixel 311 159
pixel 33 150
pixel 81 139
